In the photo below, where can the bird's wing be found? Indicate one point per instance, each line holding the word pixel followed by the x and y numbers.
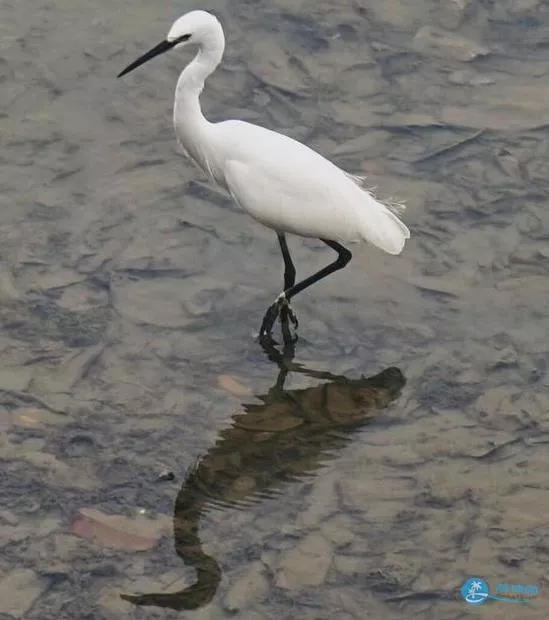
pixel 291 188
pixel 278 198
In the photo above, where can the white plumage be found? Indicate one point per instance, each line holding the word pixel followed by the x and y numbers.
pixel 291 188
pixel 279 181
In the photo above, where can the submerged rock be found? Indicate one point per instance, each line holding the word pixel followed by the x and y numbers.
pixel 306 564
pixel 19 590
pixel 249 587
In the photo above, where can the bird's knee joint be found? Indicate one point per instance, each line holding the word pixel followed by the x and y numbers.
pixel 344 257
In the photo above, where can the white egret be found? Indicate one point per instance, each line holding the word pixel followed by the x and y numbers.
pixel 280 182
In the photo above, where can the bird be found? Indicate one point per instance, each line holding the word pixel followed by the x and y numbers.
pixel 282 183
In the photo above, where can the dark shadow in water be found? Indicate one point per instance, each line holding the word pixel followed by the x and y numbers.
pixel 289 435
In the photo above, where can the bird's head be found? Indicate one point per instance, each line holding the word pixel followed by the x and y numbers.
pixel 196 27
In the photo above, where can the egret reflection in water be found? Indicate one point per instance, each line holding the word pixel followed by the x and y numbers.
pixel 287 436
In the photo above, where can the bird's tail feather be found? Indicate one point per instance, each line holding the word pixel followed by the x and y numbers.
pixel 379 222
pixel 380 226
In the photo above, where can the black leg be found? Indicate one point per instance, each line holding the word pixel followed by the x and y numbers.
pixel 343 257
pixel 289 269
pixel 286 313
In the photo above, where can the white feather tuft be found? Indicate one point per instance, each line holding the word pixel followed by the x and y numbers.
pixel 395 207
pixel 379 222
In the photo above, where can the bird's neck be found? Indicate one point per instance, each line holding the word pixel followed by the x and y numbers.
pixel 187 112
pixel 195 133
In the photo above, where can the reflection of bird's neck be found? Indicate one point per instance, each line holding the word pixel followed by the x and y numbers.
pixel 186 522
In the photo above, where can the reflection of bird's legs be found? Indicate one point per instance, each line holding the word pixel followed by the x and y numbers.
pixel 282 359
pixel 281 305
pixel 285 363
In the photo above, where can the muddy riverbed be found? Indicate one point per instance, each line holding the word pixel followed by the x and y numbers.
pixel 132 388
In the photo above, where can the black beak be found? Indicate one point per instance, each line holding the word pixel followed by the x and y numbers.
pixel 156 50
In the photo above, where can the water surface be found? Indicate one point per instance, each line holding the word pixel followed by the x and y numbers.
pixel 131 291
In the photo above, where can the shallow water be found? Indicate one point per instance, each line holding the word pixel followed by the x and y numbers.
pixel 130 293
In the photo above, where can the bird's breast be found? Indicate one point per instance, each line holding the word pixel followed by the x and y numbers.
pixel 200 156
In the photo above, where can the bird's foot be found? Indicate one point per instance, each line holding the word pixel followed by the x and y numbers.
pixel 286 311
pixel 268 321
pixel 280 308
